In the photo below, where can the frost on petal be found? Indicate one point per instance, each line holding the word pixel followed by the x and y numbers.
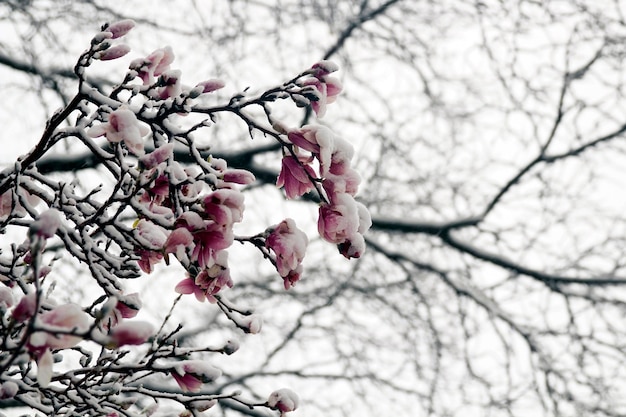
pixel 284 400
pixel 44 368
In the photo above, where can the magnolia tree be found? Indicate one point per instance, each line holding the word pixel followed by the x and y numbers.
pixel 96 358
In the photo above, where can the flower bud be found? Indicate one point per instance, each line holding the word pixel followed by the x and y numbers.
pixel 114 52
pixel 121 28
pixel 284 400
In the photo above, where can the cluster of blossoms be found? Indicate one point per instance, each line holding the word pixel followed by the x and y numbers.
pixel 186 212
pixel 53 327
pixel 342 220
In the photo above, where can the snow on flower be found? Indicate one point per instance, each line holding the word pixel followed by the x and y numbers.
pixel 251 324
pixel 284 400
pixel 25 308
pixel 120 28
pixel 153 65
pixel 211 85
pixel 46 224
pixel 58 331
pixel 191 374
pixel 123 126
pixel 65 319
pixel 289 244
pixel 327 88
pixel 210 280
pixel 224 206
pixel 319 140
pixel 152 239
pixel 238 176
pixel 129 333
pixel 157 156
pixel 339 220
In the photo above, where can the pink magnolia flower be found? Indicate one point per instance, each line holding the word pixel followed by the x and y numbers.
pixel 239 176
pixel 295 176
pixel 292 277
pixel 126 307
pixel 114 52
pixel 58 327
pixel 207 242
pixel 152 239
pixel 46 225
pixel 224 206
pixel 25 308
pixel 284 400
pixel 353 246
pixel 346 183
pixel 160 154
pixel 251 324
pixel 9 206
pixel 172 85
pixel 66 319
pixel 123 126
pixel 211 85
pixel 129 333
pixel 210 280
pixel 344 224
pixel 191 374
pixel 158 191
pixel 319 140
pixel 289 244
pixel 153 65
pixel 339 220
pixel 120 28
pixel 324 67
pixel 178 242
pixel 327 88
pixel 147 259
pixel 341 156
